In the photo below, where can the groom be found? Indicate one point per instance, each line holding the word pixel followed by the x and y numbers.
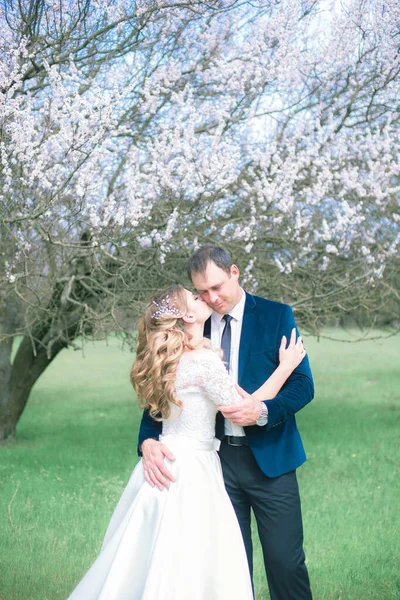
pixel 261 445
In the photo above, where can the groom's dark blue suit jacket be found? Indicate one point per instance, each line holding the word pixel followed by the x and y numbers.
pixel 277 447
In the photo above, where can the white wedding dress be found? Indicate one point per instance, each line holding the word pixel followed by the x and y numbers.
pixel 183 543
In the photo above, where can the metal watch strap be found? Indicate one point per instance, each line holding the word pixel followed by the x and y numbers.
pixel 263 418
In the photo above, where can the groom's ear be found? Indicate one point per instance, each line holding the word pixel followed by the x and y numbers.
pixel 235 271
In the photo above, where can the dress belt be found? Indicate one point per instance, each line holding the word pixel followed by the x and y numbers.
pixel 235 440
pixel 187 443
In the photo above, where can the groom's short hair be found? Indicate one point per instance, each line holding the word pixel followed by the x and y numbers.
pixel 199 260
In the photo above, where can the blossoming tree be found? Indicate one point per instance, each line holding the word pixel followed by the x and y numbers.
pixel 132 132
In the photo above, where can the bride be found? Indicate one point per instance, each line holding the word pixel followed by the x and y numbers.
pixel 181 543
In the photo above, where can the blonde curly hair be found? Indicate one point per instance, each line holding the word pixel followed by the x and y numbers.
pixel 162 339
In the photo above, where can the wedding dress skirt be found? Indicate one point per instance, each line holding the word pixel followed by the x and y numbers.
pixel 178 544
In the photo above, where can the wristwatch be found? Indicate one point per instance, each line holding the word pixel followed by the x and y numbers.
pixel 263 419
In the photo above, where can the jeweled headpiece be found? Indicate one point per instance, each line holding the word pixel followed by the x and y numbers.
pixel 166 309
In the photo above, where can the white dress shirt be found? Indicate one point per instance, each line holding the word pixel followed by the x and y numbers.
pixel 217 327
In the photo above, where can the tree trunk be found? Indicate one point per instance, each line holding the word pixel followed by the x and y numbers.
pixel 33 356
pixel 9 318
pixel 60 324
pixel 7 427
pixel 22 374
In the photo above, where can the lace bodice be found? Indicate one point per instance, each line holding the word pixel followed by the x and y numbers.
pixel 202 383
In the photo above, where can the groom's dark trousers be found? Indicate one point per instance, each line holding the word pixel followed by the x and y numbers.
pixel 261 474
pixel 276 505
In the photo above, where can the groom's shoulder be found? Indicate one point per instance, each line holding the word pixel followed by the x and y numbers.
pixel 267 305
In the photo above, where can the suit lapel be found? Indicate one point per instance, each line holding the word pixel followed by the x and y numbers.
pixel 207 328
pixel 248 331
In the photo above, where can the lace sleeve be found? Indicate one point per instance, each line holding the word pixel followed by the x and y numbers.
pixel 212 377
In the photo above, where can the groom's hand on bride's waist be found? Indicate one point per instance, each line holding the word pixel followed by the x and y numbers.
pixel 155 471
pixel 245 412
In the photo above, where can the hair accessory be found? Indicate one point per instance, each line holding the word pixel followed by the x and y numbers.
pixel 165 309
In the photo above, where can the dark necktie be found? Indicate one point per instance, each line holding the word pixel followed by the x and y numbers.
pixel 226 341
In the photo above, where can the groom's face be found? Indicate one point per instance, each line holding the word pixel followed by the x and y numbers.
pixel 221 290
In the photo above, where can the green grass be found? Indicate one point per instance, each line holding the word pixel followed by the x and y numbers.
pixel 76 448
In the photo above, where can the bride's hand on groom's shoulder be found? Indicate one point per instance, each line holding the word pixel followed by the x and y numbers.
pixel 155 471
pixel 291 355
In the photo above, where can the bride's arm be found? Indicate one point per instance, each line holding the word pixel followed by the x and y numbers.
pixel 289 359
pixel 249 411
pixel 210 374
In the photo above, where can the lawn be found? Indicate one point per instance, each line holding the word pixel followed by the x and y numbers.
pixel 76 448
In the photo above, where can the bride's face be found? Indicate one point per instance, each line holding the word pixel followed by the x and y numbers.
pixel 197 307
